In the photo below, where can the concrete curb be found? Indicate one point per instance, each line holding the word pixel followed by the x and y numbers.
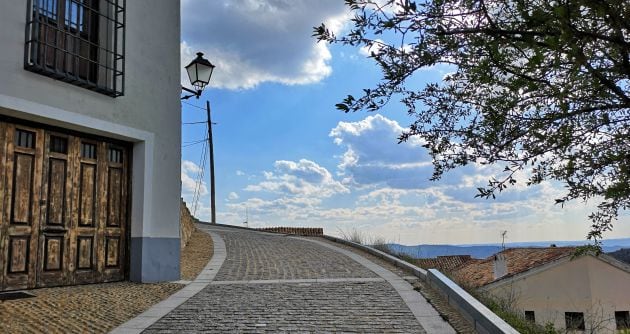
pixel 157 311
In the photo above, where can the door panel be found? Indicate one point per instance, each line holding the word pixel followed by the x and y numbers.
pixel 112 251
pixel 53 252
pixel 85 236
pixel 114 190
pixel 21 217
pixel 57 169
pixel 22 201
pixel 19 249
pixel 115 232
pixel 87 194
pixel 85 253
pixel 63 209
pixel 54 259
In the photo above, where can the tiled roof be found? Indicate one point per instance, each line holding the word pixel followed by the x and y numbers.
pixel 477 273
pixel 443 263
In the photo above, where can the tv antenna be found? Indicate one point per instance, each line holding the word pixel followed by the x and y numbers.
pixel 503 234
pixel 246 222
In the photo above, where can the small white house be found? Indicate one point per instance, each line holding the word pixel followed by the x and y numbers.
pixel 89 141
pixel 587 293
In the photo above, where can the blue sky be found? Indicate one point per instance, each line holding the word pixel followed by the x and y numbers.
pixel 284 154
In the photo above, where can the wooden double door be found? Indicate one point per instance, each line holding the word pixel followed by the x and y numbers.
pixel 63 210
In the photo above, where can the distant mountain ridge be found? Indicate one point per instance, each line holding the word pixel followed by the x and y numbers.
pixel 481 251
pixel 622 255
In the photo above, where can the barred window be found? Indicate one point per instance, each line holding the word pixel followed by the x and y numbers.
pixel 622 319
pixel 574 320
pixel 530 316
pixel 78 41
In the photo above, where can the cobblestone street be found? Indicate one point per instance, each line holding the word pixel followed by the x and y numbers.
pixel 276 283
pixel 97 308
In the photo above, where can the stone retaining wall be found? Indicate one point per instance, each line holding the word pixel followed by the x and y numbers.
pixel 187 224
pixel 303 231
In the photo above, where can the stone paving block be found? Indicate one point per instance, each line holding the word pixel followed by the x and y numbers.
pixel 256 256
pixel 272 284
pixel 371 307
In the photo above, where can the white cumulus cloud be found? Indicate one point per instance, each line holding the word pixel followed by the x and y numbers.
pixel 372 154
pixel 302 178
pixel 255 41
pixel 189 175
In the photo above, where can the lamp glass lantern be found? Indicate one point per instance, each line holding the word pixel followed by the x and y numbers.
pixel 199 72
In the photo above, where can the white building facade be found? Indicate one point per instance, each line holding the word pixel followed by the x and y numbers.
pixel 90 141
pixel 587 294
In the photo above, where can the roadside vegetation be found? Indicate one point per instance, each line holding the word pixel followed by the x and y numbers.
pixel 505 310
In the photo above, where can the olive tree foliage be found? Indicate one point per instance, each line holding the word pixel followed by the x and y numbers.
pixel 540 87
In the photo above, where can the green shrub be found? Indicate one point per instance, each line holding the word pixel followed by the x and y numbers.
pixel 514 318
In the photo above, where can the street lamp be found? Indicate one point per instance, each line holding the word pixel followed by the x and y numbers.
pixel 199 73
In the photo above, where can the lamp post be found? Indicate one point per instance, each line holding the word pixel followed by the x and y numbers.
pixel 199 73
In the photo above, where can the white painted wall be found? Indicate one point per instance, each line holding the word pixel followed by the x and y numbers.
pixel 585 284
pixel 148 114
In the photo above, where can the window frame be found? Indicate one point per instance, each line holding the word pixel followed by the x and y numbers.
pixel 622 320
pixel 88 42
pixel 530 316
pixel 570 319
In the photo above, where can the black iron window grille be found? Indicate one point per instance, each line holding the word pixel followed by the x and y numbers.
pixel 81 42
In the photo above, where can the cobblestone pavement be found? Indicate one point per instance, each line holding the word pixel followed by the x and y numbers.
pixel 456 319
pixel 95 308
pixel 273 283
pixel 256 256
pixel 317 307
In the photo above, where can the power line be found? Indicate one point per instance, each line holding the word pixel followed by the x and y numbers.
pixel 200 122
pixel 194 106
pixel 199 182
pixel 194 141
pixel 186 144
pixel 202 164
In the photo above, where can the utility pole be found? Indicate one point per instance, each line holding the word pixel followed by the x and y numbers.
pixel 212 206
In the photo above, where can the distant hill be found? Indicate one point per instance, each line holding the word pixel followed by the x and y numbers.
pixel 430 251
pixel 622 255
pixel 481 251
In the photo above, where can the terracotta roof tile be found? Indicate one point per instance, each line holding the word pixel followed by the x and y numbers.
pixel 477 273
pixel 443 263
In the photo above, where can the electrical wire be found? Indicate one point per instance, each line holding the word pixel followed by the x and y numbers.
pixel 192 105
pixel 186 144
pixel 200 174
